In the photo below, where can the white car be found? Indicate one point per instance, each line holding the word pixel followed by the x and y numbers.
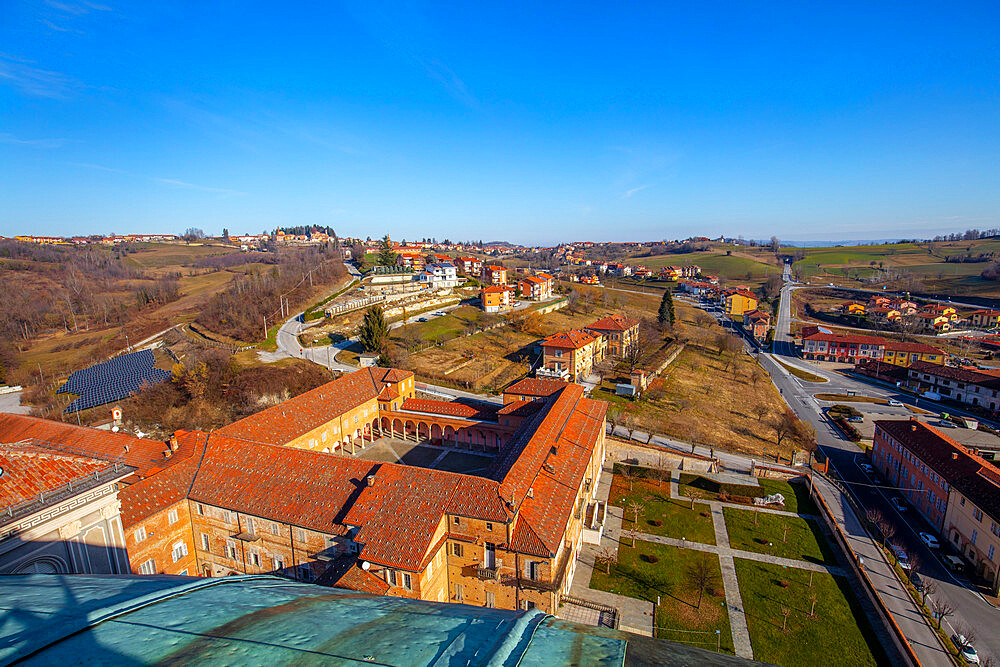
pixel 893 401
pixel 965 649
pixel 930 540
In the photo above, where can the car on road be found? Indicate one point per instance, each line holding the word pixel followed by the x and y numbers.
pixel 856 419
pixel 867 468
pixel 917 582
pixel 901 557
pixel 930 540
pixel 965 649
pixel 954 563
pixel 897 504
pixel 893 401
pixel 946 423
pixel 421 319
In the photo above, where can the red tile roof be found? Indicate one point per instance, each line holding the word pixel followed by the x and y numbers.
pixel 494 289
pixel 838 338
pixel 919 348
pixel 614 322
pixel 297 416
pixel 357 579
pixel 140 453
pixel 570 340
pixel 450 408
pixel 165 488
pixel 29 470
pixel 535 387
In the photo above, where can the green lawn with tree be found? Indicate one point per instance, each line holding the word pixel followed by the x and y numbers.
pixel 777 535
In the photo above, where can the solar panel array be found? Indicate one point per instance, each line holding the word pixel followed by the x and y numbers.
pixel 112 380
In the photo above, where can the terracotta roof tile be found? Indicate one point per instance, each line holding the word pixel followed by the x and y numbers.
pixel 570 340
pixel 613 322
pixel 535 387
pixel 451 408
pixel 29 470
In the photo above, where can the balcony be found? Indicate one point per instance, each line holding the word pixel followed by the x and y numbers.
pixel 488 573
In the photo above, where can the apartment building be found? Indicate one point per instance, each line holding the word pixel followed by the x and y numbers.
pixel 956 490
pixel 843 348
pixel 737 302
pixel 536 288
pixel 985 319
pixel 905 354
pixel 496 298
pixel 439 276
pixel 469 266
pixel 494 275
pixel 758 323
pixel 411 260
pixel 621 334
pixel 570 355
pixel 964 385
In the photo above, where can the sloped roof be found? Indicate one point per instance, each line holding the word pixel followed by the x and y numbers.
pixel 920 348
pixel 29 470
pixel 837 338
pixel 614 322
pixel 143 454
pixel 451 408
pixel 570 340
pixel 159 491
pixel 292 418
pixel 535 387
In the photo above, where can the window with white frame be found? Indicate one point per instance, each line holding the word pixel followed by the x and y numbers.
pixel 231 551
pixel 148 567
pixel 459 592
pixel 275 529
pixel 255 559
pixel 140 534
pixel 278 562
pixel 206 543
pixel 172 517
pixel 179 550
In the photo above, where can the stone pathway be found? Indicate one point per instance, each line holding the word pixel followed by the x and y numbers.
pixel 675 494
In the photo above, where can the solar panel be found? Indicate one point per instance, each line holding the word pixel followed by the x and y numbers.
pixel 112 380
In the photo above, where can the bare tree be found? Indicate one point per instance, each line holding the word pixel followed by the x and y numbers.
pixel 761 411
pixel 941 610
pixel 628 476
pixel 785 611
pixel 783 425
pixel 812 606
pixel 702 577
pixel 606 557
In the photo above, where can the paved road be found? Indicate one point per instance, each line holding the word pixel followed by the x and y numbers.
pixel 971 609
pixel 12 403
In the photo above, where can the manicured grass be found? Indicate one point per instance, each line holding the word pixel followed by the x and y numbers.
pixel 801 541
pixel 676 517
pixel 668 578
pixel 796 493
pixel 851 399
pixel 838 634
pixel 801 374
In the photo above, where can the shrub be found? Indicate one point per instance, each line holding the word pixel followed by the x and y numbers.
pixel 655 522
pixel 784 583
pixel 650 558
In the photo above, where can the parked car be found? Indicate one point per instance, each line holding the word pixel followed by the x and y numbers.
pixel 946 423
pixel 901 557
pixel 930 540
pixel 897 503
pixel 954 563
pixel 421 319
pixel 867 468
pixel 917 582
pixel 856 419
pixel 893 401
pixel 965 649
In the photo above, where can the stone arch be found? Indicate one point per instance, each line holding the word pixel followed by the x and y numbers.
pixel 436 432
pixel 397 427
pixel 448 433
pixel 411 429
pixel 422 431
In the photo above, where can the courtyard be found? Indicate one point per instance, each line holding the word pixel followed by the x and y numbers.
pixel 420 455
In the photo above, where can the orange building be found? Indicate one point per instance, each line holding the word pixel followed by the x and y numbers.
pixel 496 298
pixel 494 275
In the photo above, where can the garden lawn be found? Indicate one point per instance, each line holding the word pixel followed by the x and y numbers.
pixel 796 494
pixel 803 541
pixel 677 518
pixel 838 635
pixel 678 616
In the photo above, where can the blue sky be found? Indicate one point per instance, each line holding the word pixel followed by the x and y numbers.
pixel 532 122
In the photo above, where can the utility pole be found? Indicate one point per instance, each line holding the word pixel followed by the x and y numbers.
pixel 265 327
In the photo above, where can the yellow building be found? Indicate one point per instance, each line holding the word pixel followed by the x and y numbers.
pixel 904 354
pixel 738 302
pixel 853 308
pixel 972 521
pixel 985 318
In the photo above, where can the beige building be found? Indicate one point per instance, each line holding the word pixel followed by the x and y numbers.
pixel 972 520
pixel 571 355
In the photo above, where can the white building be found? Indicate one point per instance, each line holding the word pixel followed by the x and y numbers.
pixel 442 274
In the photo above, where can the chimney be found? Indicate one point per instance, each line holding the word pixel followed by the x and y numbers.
pixel 370 479
pixel 167 453
pixel 173 442
pixel 913 427
pixel 954 456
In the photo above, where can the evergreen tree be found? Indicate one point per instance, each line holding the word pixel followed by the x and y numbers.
pixel 386 257
pixel 373 330
pixel 225 234
pixel 666 315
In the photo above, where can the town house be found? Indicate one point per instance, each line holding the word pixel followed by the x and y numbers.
pixel 571 355
pixel 621 334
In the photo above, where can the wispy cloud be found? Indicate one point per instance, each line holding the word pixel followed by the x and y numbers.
pixel 34 81
pixel 77 8
pixel 98 167
pixel 449 81
pixel 57 28
pixel 10 139
pixel 172 182
pixel 628 193
pixel 195 186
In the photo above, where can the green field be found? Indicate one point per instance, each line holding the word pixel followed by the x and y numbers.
pixel 656 571
pixel 837 634
pixel 777 535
